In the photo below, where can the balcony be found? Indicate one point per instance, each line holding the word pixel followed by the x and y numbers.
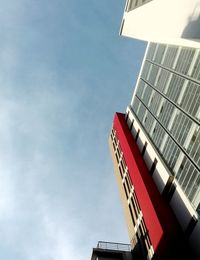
pixel 113 246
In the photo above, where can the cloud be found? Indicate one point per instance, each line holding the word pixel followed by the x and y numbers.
pixel 51 183
pixel 61 79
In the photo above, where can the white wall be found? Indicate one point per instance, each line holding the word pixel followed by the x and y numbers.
pixel 166 21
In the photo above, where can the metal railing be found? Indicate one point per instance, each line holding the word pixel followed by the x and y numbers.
pixel 113 246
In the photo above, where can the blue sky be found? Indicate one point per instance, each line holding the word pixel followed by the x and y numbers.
pixel 64 71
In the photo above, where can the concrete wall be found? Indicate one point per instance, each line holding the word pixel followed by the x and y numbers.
pixel 167 21
pixel 131 230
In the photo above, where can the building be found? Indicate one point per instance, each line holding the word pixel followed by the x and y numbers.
pixel 174 22
pixel 152 226
pixel 155 145
pixel 166 102
pixel 109 250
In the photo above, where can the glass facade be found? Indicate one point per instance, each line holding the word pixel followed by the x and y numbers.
pixel 167 104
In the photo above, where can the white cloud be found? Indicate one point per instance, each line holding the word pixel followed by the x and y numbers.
pixel 7 195
pixel 57 196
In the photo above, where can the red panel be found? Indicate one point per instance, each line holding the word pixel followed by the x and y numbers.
pixel 158 216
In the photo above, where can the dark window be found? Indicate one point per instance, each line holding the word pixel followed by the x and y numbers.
pixel 144 148
pixel 127 184
pixel 118 152
pixel 138 132
pixel 129 179
pixel 121 172
pixel 117 158
pixel 136 203
pixel 134 208
pixel 122 167
pixel 123 162
pixel 126 117
pixel 169 189
pixel 132 217
pixel 131 126
pixel 153 167
pixel 125 190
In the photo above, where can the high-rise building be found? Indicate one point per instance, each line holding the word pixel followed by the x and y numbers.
pixel 166 103
pixel 153 228
pixel 155 145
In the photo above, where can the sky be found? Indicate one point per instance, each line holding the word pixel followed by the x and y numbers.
pixel 64 71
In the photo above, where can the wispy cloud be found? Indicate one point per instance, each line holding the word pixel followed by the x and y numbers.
pixel 60 82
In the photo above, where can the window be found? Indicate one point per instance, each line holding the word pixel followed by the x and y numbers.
pixel 153 167
pixel 137 207
pixel 117 158
pixel 127 184
pixel 125 190
pixel 138 132
pixel 144 148
pixel 126 117
pixel 121 172
pixel 131 126
pixel 132 217
pixel 185 60
pixel 134 208
pixel 198 209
